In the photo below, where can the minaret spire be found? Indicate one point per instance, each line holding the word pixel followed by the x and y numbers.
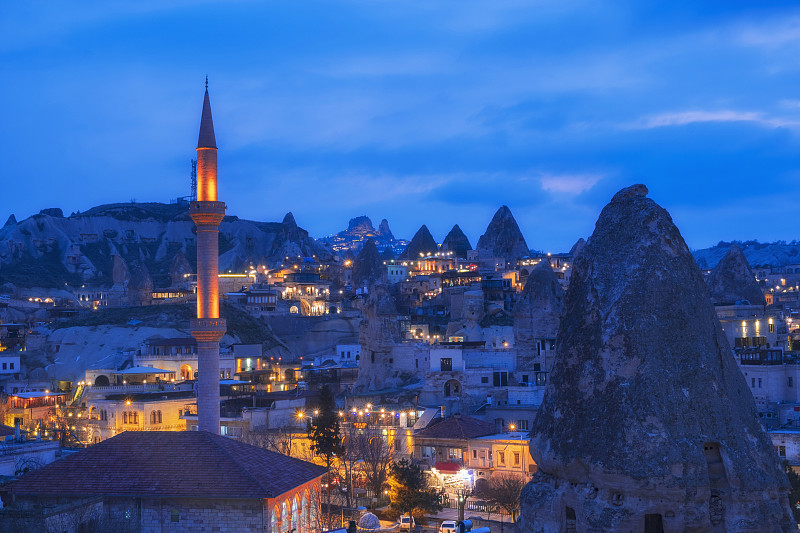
pixel 206 139
pixel 208 328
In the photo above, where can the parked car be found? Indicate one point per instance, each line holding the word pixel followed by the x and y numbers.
pixel 448 526
pixel 407 523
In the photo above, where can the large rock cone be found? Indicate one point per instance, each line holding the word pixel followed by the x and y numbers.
pixel 368 267
pixel 384 231
pixel 422 243
pixel 537 315
pixel 456 242
pixel 503 237
pixel 732 280
pixel 647 423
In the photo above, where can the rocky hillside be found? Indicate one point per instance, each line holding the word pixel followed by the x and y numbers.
pixel 776 254
pixel 106 338
pixel 49 249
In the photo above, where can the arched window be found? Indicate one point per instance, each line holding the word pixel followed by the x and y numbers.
pixel 159 417
pixel 136 417
pixel 125 417
pixel 295 517
pixel 304 518
pixel 152 417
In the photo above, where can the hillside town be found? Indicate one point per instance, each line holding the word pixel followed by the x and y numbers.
pixel 307 377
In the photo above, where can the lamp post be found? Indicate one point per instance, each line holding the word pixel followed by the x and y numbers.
pixel 513 427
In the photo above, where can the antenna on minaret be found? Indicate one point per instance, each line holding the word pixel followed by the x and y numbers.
pixel 194 180
pixel 206 82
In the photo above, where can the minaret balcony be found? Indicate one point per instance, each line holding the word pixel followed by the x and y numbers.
pixel 207 329
pixel 207 213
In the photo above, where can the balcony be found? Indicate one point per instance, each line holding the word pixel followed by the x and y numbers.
pixel 481 463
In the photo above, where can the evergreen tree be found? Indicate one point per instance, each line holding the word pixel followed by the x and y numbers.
pixel 323 428
pixel 326 440
pixel 409 491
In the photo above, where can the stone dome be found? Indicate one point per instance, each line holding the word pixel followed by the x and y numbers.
pixel 369 522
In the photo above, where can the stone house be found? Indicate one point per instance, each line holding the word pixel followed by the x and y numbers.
pixel 506 452
pixel 444 443
pixel 168 482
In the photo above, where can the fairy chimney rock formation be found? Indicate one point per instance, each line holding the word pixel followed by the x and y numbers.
pixel 577 247
pixel 647 423
pixel 384 231
pixel 179 269
pixel 503 237
pixel 368 267
pixel 422 243
pixel 119 271
pixel 537 314
pixel 732 280
pixel 456 242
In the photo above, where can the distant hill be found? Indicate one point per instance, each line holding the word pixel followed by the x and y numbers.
pixel 105 338
pixel 358 231
pixel 774 254
pixel 50 250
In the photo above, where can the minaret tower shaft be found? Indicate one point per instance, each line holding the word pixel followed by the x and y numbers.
pixel 208 328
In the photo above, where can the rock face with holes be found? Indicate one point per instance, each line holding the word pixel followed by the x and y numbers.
pixel 647 424
pixel 386 362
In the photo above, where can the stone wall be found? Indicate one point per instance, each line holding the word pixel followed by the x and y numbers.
pixel 190 516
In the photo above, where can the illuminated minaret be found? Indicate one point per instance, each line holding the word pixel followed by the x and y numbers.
pixel 208 328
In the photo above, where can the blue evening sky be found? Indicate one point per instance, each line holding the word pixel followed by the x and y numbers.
pixel 416 111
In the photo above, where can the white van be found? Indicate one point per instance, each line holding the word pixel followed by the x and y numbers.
pixel 407 523
pixel 448 526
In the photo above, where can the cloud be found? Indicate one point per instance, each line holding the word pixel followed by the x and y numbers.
pixel 771 34
pixel 571 184
pixel 684 118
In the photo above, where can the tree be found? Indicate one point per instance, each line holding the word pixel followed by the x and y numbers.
pixel 377 455
pixel 349 459
pixel 326 440
pixel 282 440
pixel 409 491
pixel 503 491
pixel 794 491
